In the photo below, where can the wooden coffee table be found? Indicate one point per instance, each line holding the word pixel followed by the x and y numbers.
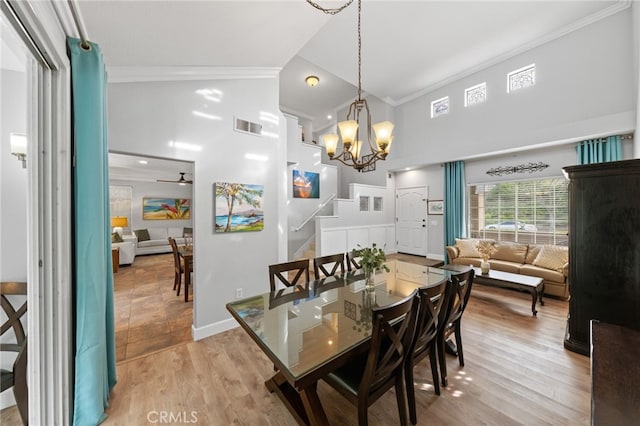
pixel 532 285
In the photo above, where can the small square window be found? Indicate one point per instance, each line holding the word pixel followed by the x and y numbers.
pixel 364 204
pixel 440 107
pixel 475 94
pixel 377 204
pixel 521 78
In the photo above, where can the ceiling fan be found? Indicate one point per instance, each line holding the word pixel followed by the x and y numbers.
pixel 181 181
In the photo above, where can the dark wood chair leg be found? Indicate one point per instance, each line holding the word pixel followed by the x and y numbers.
pixel 433 359
pixel 363 419
pixel 402 401
pixel 411 393
pixel 459 343
pixel 443 362
pixel 179 284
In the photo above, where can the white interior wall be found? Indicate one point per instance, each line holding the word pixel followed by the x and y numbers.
pixel 582 91
pixel 13 200
pixel 13 179
pixel 144 117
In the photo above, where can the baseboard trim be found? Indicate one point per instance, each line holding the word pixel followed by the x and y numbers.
pixel 200 333
pixel 435 256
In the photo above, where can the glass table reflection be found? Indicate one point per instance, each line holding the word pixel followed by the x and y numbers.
pixel 308 331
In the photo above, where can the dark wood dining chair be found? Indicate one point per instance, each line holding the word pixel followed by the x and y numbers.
pixel 17 376
pixel 424 343
pixel 457 297
pixel 353 262
pixel 298 267
pixel 366 378
pixel 178 268
pixel 332 262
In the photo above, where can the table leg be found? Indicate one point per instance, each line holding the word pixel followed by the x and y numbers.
pixel 541 293
pixel 304 405
pixel 534 299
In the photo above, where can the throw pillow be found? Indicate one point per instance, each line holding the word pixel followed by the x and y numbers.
pixel 467 248
pixel 142 234
pixel 116 238
pixel 552 257
pixel 187 232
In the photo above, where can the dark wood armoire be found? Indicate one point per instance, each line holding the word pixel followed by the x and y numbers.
pixel 604 248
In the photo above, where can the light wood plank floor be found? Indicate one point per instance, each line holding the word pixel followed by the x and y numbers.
pixel 516 372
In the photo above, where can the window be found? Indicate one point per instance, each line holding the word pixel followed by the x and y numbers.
pixel 533 211
pixel 475 95
pixel 521 78
pixel 440 107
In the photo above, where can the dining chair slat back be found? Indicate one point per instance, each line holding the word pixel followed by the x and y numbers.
pixel 178 269
pixel 365 379
pixel 17 376
pixel 457 297
pixel 328 265
pixel 298 267
pixel 353 262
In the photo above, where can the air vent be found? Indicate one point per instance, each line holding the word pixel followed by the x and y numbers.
pixel 248 127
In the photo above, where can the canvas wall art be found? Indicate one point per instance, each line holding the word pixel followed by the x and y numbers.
pixel 238 207
pixel 166 209
pixel 306 184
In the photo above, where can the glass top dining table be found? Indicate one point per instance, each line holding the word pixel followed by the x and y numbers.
pixel 310 330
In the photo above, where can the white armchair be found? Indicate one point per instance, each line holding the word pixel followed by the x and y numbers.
pixel 127 249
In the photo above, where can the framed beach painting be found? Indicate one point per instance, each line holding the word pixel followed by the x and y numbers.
pixel 306 184
pixel 238 207
pixel 166 209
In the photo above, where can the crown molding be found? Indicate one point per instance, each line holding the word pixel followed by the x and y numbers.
pixel 148 74
pixel 602 14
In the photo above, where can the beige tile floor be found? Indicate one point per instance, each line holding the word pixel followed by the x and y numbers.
pixel 149 316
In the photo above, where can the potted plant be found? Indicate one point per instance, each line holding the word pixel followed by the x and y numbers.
pixel 371 260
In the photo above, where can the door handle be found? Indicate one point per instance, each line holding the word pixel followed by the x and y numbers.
pixel 424 226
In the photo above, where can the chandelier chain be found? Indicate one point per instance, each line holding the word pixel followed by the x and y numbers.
pixel 330 11
pixel 359 52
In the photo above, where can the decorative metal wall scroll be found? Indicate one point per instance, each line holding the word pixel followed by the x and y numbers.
pixel 520 168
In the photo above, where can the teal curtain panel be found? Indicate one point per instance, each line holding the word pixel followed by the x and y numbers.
pixel 600 150
pixel 454 190
pixel 95 365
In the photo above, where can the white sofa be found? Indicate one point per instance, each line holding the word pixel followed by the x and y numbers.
pixel 159 240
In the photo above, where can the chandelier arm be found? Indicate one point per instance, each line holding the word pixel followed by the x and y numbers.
pixel 334 11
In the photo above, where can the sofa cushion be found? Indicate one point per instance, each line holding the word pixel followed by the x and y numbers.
pixel 546 274
pixel 467 248
pixel 532 253
pixel 153 243
pixel 510 252
pixel 552 257
pixel 158 234
pixel 142 234
pixel 505 266
pixel 466 261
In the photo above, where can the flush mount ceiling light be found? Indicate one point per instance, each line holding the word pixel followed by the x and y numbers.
pixel 312 80
pixel 351 142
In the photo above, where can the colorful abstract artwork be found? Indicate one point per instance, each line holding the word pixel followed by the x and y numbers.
pixel 166 209
pixel 306 184
pixel 238 207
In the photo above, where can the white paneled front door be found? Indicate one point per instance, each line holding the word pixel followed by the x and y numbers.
pixel 411 220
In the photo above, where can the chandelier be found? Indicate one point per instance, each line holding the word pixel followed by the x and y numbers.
pixel 352 154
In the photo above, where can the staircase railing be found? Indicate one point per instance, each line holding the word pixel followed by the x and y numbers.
pixel 315 212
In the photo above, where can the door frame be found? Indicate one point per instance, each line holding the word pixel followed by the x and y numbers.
pixel 43 27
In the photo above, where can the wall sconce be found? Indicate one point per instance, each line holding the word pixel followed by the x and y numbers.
pixel 19 147
pixel 119 222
